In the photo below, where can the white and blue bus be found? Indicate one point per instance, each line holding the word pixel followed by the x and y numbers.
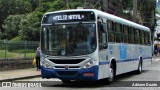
pixel 88 44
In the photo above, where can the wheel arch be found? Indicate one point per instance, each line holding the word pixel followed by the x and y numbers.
pixel 140 59
pixel 114 63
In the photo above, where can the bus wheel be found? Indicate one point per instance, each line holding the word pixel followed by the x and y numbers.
pixel 111 77
pixel 139 71
pixel 66 81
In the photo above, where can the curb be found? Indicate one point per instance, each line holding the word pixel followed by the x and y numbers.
pixel 25 77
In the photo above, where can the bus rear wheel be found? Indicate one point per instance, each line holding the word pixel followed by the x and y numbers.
pixel 139 70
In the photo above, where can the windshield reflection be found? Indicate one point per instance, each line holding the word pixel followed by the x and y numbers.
pixel 68 40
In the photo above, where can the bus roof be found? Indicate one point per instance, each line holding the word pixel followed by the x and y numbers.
pixel 108 16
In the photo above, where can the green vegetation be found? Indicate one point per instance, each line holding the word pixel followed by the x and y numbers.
pixel 2 55
pixel 158 10
pixel 16 54
pixel 14 49
pixel 20 19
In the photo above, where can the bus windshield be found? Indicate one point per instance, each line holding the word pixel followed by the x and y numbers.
pixel 68 39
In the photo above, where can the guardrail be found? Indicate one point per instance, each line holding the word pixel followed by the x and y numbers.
pixel 20 49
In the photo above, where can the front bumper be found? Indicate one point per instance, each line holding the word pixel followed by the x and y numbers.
pixel 70 74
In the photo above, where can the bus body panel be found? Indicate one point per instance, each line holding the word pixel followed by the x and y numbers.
pixel 127 56
pixel 132 57
pixel 103 70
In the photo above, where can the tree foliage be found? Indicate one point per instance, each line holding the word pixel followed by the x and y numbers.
pixel 11 26
pixel 30 26
pixel 13 7
pixel 20 19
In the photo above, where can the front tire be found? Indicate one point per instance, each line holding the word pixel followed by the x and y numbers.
pixel 112 74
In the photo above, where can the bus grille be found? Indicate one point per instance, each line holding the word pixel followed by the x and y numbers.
pixel 66 73
pixel 67 61
pixel 70 67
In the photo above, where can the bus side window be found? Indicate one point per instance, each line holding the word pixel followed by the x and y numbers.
pixel 119 32
pixel 111 34
pixel 125 29
pixel 129 34
pixel 148 38
pixel 147 41
pixel 142 37
pixel 102 34
pixel 132 35
pixel 137 38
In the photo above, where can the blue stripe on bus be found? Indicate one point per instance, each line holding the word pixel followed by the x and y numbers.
pixel 146 58
pixel 103 63
pixel 127 60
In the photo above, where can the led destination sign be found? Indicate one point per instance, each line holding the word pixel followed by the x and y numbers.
pixel 69 17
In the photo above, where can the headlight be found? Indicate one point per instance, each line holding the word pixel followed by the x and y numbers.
pixel 89 64
pixel 45 64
